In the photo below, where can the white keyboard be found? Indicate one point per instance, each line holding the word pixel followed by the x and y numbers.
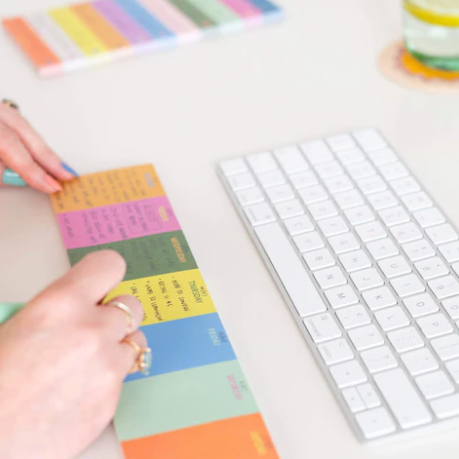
pixel 368 264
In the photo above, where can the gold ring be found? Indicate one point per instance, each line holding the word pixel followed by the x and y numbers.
pixel 143 360
pixel 127 311
pixel 10 104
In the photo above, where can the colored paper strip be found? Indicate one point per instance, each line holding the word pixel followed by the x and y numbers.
pixel 30 43
pixel 243 437
pixel 195 14
pixel 187 343
pixel 216 11
pixel 99 26
pixel 83 37
pixel 184 399
pixel 243 8
pixel 265 6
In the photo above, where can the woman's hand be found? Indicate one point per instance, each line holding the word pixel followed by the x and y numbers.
pixel 63 362
pixel 25 159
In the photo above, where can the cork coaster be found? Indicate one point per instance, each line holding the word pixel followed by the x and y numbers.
pixel 398 65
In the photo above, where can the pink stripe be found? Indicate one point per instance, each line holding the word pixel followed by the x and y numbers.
pixel 170 16
pixel 102 225
pixel 242 8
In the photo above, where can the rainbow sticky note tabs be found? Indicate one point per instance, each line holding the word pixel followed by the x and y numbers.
pixel 77 36
pixel 196 397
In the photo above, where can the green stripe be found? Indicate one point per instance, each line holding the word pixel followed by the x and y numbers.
pixel 195 14
pixel 217 11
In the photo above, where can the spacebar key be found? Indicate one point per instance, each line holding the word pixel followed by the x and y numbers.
pixel 290 270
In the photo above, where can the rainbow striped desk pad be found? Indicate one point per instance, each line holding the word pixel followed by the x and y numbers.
pixel 196 403
pixel 74 37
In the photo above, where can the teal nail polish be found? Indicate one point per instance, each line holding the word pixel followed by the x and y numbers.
pixel 69 169
pixel 10 177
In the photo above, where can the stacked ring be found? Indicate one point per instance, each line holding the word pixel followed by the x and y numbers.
pixel 143 360
pixel 10 104
pixel 127 311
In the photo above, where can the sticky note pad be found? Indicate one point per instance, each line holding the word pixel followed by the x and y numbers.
pixel 196 397
pixel 77 36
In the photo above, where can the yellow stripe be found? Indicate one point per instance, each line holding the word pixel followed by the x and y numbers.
pixel 80 34
pixel 431 17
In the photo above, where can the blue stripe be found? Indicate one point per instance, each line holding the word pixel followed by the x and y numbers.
pixel 265 6
pixel 186 343
pixel 144 18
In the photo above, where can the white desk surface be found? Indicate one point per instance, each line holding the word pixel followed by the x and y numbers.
pixel 184 110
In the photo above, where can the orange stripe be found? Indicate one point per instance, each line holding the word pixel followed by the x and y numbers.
pixel 99 26
pixel 243 437
pixel 30 42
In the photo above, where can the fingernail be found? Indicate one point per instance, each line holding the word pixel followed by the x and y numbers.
pixel 10 177
pixel 52 184
pixel 69 169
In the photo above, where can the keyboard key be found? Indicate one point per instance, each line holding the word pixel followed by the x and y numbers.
pixel 420 305
pixel 321 210
pixel 444 287
pixel 402 398
pixel 407 285
pixel 317 152
pixel 394 171
pixel 291 159
pixel 366 337
pixel 354 261
pixel 446 407
pixel 405 233
pixel 339 184
pixel 308 242
pixel 450 251
pixel 335 352
pixel 319 259
pixel 322 327
pixel 366 279
pixel 289 209
pixel 250 196
pixel 233 167
pixel 349 199
pixel 340 142
pixel 330 277
pixel 350 156
pixel 290 270
pixel 429 217
pixel 419 361
pixel 431 268
pixel 392 318
pixel 259 214
pixel 261 162
pixel 405 339
pixel 393 267
pixel 298 225
pixel 417 201
pixel 313 194
pixel 353 400
pixel 442 234
pixel 382 157
pixel 329 170
pixel 394 216
pixel 304 179
pixel 418 250
pixel 375 423
pixel 379 298
pixel 453 370
pixel 379 359
pixel 333 226
pixel 383 200
pixel 371 231
pixel 434 325
pixel 369 139
pixel 354 316
pixel 372 185
pixel 359 215
pixel 280 193
pixel 405 186
pixel 434 385
pixel 241 181
pixel 451 306
pixel 361 170
pixel 369 395
pixel 382 249
pixel 341 296
pixel 344 243
pixel 271 178
pixel 348 374
pixel 446 347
